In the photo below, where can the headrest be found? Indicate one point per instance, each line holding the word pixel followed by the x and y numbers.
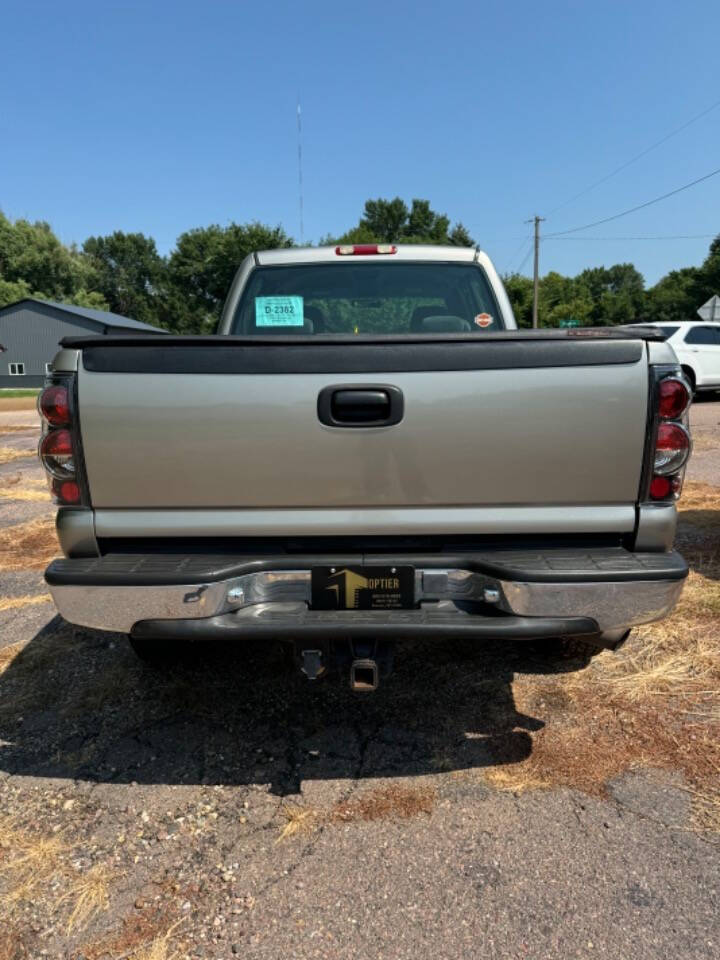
pixel 443 324
pixel 419 314
pixel 316 318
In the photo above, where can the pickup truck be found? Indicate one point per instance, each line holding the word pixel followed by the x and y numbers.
pixel 367 450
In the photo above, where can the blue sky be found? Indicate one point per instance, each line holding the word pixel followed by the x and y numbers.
pixel 160 116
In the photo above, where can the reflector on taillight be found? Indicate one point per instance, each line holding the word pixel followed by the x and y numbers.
pixel 54 405
pixel 666 488
pixel 672 449
pixel 364 249
pixel 66 491
pixel 673 398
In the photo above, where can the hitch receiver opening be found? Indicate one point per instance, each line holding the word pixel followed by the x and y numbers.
pixel 364 676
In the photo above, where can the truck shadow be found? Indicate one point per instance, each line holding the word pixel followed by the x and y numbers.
pixel 76 704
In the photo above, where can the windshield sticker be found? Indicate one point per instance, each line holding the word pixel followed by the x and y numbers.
pixel 483 320
pixel 279 312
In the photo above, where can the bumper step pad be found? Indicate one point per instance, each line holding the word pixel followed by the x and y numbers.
pixel 530 566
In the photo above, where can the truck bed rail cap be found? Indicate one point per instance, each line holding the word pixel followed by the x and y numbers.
pixel 224 341
pixel 321 356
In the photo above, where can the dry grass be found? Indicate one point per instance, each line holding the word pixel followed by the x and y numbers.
pixel 677 656
pixel 28 546
pixel 144 935
pixel 33 478
pixel 700 496
pixel 28 494
pixel 8 454
pixel 12 943
pixel 706 809
pixel 28 861
pixel 298 819
pixel 654 703
pixel 7 428
pixel 89 896
pixel 160 948
pixel 393 802
pixel 516 779
pixel 8 654
pixel 31 863
pixel 10 404
pixel 387 803
pixel 704 441
pixel 16 603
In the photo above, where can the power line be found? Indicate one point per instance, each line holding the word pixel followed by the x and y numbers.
pixel 638 156
pixel 686 236
pixel 525 259
pixel 514 257
pixel 640 206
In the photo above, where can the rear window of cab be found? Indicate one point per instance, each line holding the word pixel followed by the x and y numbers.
pixel 352 298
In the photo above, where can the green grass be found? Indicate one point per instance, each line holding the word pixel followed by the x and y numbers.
pixel 8 392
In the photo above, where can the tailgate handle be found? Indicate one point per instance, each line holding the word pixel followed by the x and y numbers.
pixel 360 405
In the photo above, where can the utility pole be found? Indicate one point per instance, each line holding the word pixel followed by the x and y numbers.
pixel 537 221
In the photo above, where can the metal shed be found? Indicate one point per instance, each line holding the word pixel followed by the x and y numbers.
pixel 31 329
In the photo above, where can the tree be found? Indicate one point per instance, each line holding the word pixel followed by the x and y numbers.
pixel 616 294
pixel 459 236
pixel 709 279
pixel 11 291
pixel 600 296
pixel 676 296
pixel 32 255
pixel 205 260
pixel 391 221
pixel 127 272
pixel 520 292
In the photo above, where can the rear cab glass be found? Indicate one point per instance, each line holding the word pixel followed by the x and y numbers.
pixel 368 298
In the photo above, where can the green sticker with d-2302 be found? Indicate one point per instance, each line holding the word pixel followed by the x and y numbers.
pixel 279 312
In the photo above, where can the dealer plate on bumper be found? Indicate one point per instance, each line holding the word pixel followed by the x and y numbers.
pixel 363 588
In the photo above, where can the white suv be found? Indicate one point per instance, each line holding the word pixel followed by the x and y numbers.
pixel 697 345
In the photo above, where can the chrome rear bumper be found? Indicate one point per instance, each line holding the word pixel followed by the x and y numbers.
pixel 281 597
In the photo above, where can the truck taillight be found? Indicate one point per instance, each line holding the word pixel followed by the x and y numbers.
pixel 54 405
pixel 673 398
pixel 672 449
pixel 56 454
pixel 59 448
pixel 672 444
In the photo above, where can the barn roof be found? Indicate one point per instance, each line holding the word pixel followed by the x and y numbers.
pixel 103 317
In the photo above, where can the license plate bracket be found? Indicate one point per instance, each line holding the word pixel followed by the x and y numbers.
pixel 363 587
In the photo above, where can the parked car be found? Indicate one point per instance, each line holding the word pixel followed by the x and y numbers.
pixel 368 450
pixel 697 347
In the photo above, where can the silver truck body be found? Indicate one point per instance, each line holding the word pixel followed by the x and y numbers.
pixel 509 438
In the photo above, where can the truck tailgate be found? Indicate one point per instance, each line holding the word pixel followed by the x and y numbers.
pixel 502 423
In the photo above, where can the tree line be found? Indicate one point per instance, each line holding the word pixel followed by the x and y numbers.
pixel 184 291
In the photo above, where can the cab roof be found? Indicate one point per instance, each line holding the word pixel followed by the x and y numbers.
pixel 408 251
